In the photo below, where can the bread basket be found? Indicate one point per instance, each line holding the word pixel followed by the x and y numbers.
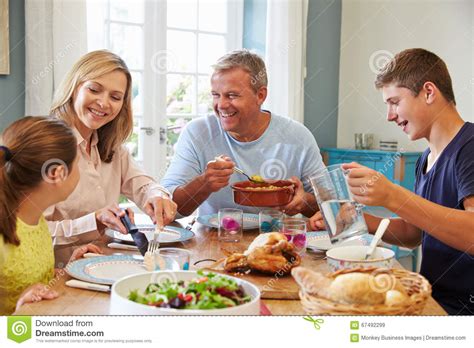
pixel 416 286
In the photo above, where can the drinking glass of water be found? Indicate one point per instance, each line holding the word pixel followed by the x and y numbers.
pixel 230 225
pixel 342 215
pixel 269 220
pixel 294 230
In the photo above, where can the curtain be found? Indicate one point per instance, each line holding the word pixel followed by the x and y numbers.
pixel 56 37
pixel 285 57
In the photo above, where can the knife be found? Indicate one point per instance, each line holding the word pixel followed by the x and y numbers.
pixel 139 238
pixel 189 226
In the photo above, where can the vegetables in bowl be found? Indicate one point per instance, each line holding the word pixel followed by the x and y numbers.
pixel 120 304
pixel 207 291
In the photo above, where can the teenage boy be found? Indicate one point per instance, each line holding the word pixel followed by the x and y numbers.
pixel 417 89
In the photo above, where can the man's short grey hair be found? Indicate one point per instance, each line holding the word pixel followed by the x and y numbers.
pixel 249 61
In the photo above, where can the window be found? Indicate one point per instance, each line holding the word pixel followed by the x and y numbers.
pixel 169 46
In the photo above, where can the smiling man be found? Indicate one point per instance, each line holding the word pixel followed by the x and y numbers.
pixel 244 135
pixel 417 89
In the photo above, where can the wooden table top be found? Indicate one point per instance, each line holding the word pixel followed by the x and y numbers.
pixel 73 301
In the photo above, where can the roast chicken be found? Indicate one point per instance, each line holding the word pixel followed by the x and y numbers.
pixel 269 253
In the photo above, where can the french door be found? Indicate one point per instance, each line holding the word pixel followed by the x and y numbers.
pixel 169 47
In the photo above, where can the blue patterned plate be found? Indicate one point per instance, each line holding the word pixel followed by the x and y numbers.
pixel 170 234
pixel 250 221
pixel 319 240
pixel 107 269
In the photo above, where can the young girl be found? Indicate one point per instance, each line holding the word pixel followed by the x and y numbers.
pixel 38 168
pixel 95 99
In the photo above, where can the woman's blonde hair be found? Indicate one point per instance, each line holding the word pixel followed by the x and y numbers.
pixel 28 147
pixel 90 66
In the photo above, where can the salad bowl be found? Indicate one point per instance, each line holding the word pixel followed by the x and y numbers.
pixel 128 292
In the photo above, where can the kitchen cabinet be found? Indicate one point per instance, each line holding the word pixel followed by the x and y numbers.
pixel 399 166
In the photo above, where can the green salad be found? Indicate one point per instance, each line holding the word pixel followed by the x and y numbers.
pixel 207 291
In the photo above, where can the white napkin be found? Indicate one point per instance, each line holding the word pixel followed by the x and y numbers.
pixel 74 283
pixel 90 255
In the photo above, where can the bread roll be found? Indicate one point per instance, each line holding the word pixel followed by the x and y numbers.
pixel 395 297
pixel 355 288
pixel 312 282
pixel 352 288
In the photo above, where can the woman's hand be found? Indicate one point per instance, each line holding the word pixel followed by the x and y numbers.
pixel 316 222
pixel 162 210
pixel 110 217
pixel 36 293
pixel 80 251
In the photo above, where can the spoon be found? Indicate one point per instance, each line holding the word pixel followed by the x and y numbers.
pixel 252 178
pixel 378 236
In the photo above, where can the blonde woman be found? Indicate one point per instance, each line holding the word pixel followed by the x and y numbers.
pixel 95 100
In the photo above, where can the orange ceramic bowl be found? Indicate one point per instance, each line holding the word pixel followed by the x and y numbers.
pixel 272 193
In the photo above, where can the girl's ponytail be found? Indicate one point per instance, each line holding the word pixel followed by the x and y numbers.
pixel 8 199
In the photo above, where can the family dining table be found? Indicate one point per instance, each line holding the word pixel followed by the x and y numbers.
pixel 279 296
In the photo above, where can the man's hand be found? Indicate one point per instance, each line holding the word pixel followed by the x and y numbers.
pixel 36 293
pixel 345 217
pixel 316 222
pixel 110 217
pixel 297 202
pixel 162 210
pixel 302 202
pixel 217 173
pixel 368 186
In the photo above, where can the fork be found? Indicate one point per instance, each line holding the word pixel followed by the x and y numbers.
pixel 153 247
pixel 154 244
pixel 152 250
pixel 240 171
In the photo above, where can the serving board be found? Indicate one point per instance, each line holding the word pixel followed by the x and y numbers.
pixel 278 286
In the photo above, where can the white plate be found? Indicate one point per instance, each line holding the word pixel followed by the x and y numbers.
pixel 105 269
pixel 320 241
pixel 170 234
pixel 250 221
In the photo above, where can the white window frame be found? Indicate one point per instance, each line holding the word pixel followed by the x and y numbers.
pixel 152 151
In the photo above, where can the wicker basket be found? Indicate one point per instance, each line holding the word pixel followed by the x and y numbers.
pixel 416 286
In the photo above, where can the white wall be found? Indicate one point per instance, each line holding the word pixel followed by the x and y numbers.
pixel 368 26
